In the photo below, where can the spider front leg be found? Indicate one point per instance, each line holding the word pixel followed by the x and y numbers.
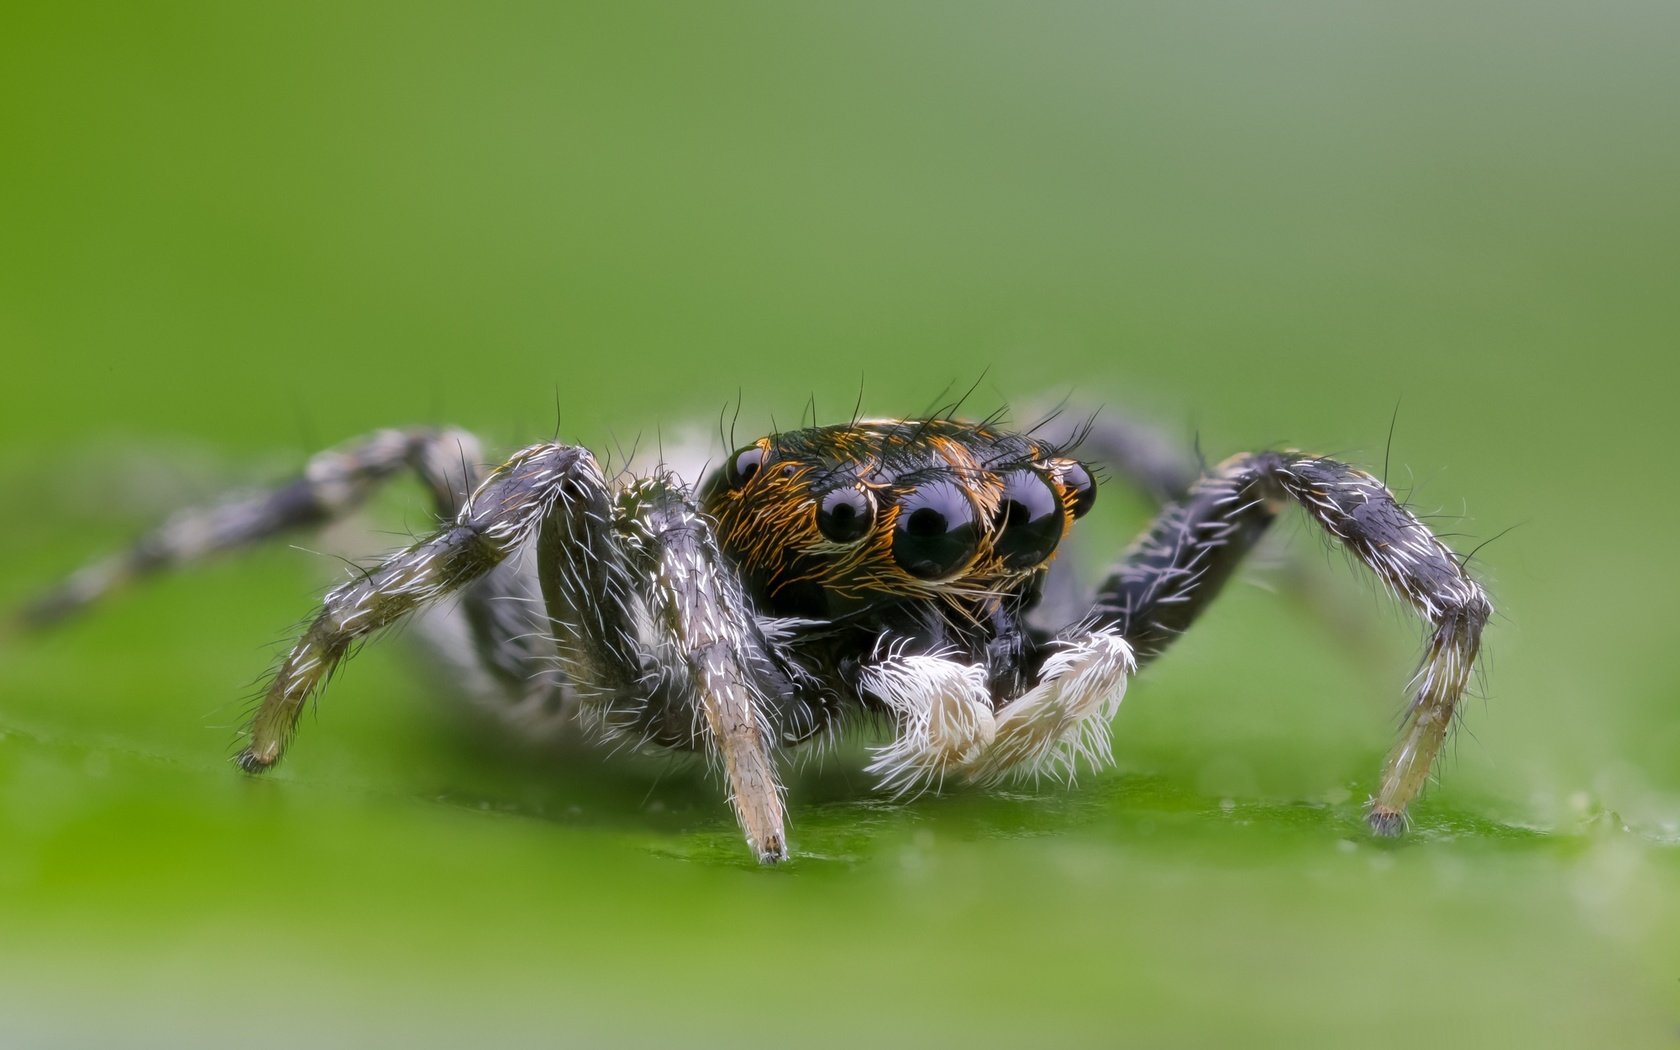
pixel 1174 570
pixel 708 678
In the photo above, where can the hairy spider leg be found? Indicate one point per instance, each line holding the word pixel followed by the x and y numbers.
pixel 494 522
pixel 493 643
pixel 688 612
pixel 706 643
pixel 1163 468
pixel 557 494
pixel 332 485
pixel 1179 564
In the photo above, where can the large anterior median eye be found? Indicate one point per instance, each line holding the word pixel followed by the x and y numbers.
pixel 845 515
pixel 1029 518
pixel 934 534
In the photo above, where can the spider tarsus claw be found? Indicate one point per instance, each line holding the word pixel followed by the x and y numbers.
pixel 248 761
pixel 1386 822
pixel 773 853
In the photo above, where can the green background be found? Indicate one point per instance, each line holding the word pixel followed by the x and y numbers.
pixel 232 234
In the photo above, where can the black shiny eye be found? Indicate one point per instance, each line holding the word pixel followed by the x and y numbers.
pixel 1030 520
pixel 845 515
pixel 1077 480
pixel 934 533
pixel 743 465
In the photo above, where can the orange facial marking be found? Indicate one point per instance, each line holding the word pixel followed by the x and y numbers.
pixel 955 510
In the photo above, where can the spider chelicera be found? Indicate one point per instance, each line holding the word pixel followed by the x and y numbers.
pixel 882 566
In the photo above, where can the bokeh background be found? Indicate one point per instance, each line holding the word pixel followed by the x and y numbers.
pixel 232 234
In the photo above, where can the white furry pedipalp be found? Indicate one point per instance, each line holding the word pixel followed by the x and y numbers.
pixel 944 715
pixel 1065 719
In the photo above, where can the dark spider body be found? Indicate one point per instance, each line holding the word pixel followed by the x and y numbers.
pixel 883 566
pixel 934 532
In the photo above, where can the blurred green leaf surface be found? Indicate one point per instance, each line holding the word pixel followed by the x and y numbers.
pixel 233 234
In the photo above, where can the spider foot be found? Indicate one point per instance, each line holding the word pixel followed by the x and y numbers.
pixel 1387 823
pixel 250 762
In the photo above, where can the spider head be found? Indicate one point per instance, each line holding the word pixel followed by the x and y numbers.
pixel 828 521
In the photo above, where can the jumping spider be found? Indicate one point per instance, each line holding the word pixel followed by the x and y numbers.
pixel 884 566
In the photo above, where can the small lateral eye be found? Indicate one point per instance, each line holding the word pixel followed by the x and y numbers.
pixel 845 515
pixel 1077 480
pixel 743 465
pixel 934 534
pixel 1029 520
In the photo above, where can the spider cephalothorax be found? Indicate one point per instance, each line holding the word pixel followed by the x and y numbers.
pixel 885 567
pixel 829 520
